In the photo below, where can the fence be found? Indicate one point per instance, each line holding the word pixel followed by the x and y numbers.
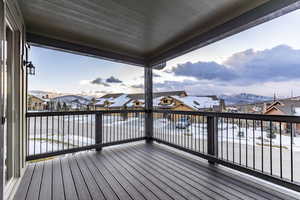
pixel 54 133
pixel 262 145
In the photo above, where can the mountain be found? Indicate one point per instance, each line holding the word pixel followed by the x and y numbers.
pixel 69 99
pixel 244 98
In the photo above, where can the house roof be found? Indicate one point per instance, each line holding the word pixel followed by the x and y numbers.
pixel 120 101
pixel 198 103
pixel 286 106
pixel 141 95
pixel 142 32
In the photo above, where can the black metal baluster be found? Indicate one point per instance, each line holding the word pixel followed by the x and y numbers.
pixel 280 141
pixel 28 136
pixel 87 130
pixel 73 124
pixel 262 146
pixel 68 131
pixel 271 163
pixel 41 137
pixel 82 130
pixel 78 130
pixel 52 132
pixel 58 132
pixel 63 127
pixel 47 133
pixel 203 129
pixel 34 136
pixel 292 160
pixel 110 127
pixel 240 146
pixel 253 144
pixel 246 143
pixel 227 138
pixel 221 137
pixel 233 139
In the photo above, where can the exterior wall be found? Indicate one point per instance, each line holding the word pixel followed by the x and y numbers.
pixel 2 37
pixel 10 15
pixel 274 112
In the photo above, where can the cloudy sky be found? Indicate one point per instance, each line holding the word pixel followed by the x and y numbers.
pixel 263 60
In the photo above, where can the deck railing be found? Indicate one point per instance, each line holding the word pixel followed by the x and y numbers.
pixel 261 145
pixel 55 133
pixel 265 146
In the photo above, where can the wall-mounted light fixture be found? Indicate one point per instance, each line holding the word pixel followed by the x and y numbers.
pixel 30 68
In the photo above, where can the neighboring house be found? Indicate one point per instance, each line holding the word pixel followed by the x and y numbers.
pixel 252 108
pixel 285 107
pixel 189 103
pixel 130 101
pixel 35 103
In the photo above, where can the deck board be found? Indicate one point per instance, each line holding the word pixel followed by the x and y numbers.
pixel 136 171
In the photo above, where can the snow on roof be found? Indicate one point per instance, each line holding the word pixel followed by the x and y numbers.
pixel 297 111
pixel 120 101
pixel 156 101
pixel 100 101
pixel 198 102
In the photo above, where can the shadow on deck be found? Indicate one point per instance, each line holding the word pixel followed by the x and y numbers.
pixel 137 171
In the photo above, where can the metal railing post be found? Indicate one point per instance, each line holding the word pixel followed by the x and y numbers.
pixel 212 137
pixel 98 131
pixel 148 104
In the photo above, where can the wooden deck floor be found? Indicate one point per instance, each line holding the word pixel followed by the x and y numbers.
pixel 139 171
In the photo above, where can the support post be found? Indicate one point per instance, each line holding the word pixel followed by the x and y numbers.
pixel 98 131
pixel 148 104
pixel 212 137
pixel 2 139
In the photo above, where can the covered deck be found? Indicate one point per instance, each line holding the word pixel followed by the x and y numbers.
pixel 138 171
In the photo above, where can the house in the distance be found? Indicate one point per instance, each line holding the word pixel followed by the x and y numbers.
pixel 35 103
pixel 128 101
pixel 285 107
pixel 189 103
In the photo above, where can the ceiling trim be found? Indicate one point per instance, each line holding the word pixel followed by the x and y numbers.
pixel 266 12
pixel 50 43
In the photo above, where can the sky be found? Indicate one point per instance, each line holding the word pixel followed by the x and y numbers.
pixel 262 60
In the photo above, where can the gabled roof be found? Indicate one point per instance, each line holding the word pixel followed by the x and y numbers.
pixel 141 95
pixel 142 32
pixel 286 106
pixel 198 103
pixel 120 101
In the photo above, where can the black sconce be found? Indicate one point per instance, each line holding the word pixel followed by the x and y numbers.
pixel 30 68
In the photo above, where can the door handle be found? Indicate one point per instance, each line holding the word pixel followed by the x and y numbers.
pixel 3 120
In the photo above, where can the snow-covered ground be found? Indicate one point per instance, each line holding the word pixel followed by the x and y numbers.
pixel 81 132
pixel 76 132
pixel 230 134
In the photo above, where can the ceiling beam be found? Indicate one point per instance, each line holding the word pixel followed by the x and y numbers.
pixel 256 16
pixel 50 43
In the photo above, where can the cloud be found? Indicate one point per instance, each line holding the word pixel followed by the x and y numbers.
pixel 99 81
pixel 281 63
pixel 138 86
pixel 156 75
pixel 112 79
